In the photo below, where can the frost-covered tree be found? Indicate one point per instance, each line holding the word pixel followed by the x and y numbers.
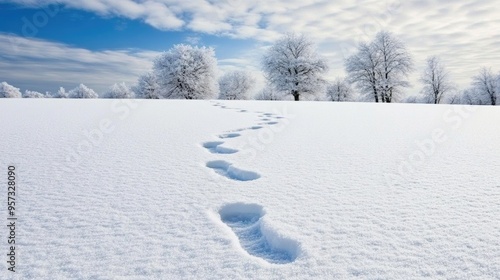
pixel 61 93
pixel 362 69
pixel 269 93
pixel 395 65
pixel 187 72
pixel 339 90
pixel 8 91
pixel 472 96
pixel 120 90
pixel 292 65
pixel 34 94
pixel 380 68
pixel 82 91
pixel 435 80
pixel 236 85
pixel 486 86
pixel 147 87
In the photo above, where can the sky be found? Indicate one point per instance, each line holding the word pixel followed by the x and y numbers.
pixel 46 44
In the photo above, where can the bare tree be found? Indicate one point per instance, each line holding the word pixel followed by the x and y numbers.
pixel 339 90
pixel 436 80
pixel 395 64
pixel 486 85
pixel 292 65
pixel 362 70
pixel 380 68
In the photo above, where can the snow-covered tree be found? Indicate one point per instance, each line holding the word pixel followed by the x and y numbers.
pixel 82 91
pixel 486 85
pixel 436 80
pixel 120 90
pixel 396 64
pixel 147 87
pixel 472 96
pixel 362 69
pixel 8 91
pixel 269 93
pixel 34 94
pixel 339 90
pixel 292 65
pixel 236 85
pixel 380 68
pixel 61 93
pixel 187 72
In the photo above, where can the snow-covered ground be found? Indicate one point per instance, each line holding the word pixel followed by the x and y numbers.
pixel 162 189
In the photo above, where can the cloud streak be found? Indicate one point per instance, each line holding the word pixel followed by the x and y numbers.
pixel 40 65
pixel 464 34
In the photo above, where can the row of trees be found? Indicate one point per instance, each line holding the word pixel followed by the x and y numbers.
pixel 116 91
pixel 378 70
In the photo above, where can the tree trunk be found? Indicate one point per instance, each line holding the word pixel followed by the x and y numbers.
pixel 296 95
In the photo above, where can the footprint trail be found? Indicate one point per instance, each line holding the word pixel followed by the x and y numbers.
pixel 227 170
pixel 246 222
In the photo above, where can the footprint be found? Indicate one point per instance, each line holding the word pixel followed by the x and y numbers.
pixel 255 127
pixel 258 240
pixel 268 114
pixel 271 123
pixel 226 169
pixel 265 119
pixel 243 111
pixel 238 130
pixel 229 135
pixel 216 148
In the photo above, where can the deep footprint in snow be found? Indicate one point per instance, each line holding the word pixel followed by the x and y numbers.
pixel 216 148
pixel 227 170
pixel 229 135
pixel 255 127
pixel 246 222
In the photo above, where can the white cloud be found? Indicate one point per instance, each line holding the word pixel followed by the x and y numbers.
pixel 465 35
pixel 193 40
pixel 44 66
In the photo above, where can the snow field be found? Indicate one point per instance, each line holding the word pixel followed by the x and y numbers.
pixel 117 190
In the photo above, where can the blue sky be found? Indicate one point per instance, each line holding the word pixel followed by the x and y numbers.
pixel 45 44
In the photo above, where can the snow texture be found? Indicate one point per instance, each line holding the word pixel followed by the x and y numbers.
pixel 126 189
pixel 245 221
pixel 216 148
